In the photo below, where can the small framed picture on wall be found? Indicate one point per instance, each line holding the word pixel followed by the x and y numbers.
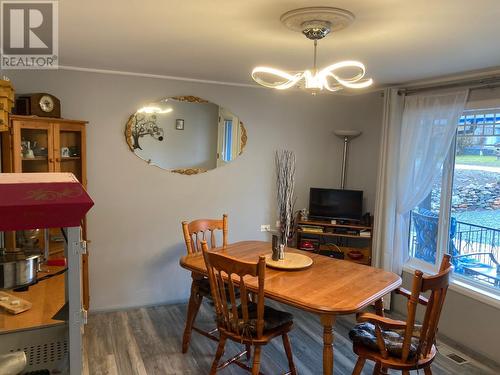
pixel 179 124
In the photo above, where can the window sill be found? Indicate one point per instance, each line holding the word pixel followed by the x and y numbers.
pixel 478 294
pixel 459 285
pixel 414 264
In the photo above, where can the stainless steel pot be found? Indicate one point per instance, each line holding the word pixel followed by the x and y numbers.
pixel 17 269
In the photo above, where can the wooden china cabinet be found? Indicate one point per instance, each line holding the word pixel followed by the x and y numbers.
pixel 42 144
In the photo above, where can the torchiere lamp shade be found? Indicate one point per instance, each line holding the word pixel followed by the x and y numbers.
pixel 41 200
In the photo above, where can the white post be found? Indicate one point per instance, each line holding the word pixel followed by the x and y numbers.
pixel 74 295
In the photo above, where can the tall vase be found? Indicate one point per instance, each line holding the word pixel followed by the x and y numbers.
pixel 285 185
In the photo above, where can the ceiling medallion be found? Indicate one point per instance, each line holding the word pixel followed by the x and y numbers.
pixel 316 23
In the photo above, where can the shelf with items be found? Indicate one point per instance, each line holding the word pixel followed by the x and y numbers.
pixel 329 224
pixel 7 97
pixel 68 158
pixel 361 255
pixel 341 241
pixel 36 158
pixel 332 234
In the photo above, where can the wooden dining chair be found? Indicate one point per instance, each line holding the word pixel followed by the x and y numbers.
pixel 250 323
pixel 400 345
pixel 195 232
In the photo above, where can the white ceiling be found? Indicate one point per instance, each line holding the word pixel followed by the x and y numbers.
pixel 222 40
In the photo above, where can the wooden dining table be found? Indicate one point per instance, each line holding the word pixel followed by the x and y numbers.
pixel 329 287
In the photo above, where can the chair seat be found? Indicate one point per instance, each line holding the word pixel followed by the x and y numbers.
pixel 272 318
pixel 203 287
pixel 364 334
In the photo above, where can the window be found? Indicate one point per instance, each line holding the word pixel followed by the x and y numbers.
pixel 228 140
pixel 461 215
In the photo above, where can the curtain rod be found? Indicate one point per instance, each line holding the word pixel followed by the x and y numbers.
pixel 481 83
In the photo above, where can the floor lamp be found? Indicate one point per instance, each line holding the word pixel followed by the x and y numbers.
pixel 347 136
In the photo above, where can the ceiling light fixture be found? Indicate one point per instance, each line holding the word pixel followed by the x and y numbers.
pixel 316 23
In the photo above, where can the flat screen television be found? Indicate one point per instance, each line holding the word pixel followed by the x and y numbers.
pixel 335 204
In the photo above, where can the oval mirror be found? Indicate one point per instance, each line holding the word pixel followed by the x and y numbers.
pixel 185 134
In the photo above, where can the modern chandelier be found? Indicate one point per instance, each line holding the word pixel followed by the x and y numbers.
pixel 316 23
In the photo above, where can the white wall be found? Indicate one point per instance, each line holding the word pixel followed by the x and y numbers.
pixel 135 223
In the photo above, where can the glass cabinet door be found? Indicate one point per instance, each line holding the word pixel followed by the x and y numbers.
pixel 33 148
pixel 69 150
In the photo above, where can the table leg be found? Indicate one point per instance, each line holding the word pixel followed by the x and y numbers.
pixel 328 321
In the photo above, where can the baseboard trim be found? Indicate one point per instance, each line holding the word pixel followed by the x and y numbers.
pixel 133 307
pixel 481 359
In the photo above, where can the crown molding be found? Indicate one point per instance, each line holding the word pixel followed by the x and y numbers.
pixel 156 76
pixel 206 81
pixel 449 78
pixel 426 82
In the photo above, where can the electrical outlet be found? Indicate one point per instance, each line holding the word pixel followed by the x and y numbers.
pixel 265 228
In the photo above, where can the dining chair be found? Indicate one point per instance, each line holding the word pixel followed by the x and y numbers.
pixel 404 345
pixel 195 232
pixel 250 323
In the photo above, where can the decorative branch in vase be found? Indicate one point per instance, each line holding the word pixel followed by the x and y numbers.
pixel 285 185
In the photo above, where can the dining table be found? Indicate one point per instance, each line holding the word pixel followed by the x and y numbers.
pixel 328 288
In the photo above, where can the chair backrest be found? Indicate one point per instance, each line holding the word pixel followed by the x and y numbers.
pixel 203 230
pixel 223 271
pixel 438 286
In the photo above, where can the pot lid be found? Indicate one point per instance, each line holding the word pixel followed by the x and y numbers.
pixel 41 200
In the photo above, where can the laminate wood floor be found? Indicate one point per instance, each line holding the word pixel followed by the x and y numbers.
pixel 148 341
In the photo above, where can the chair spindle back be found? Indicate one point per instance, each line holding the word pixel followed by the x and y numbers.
pixel 223 271
pixel 203 230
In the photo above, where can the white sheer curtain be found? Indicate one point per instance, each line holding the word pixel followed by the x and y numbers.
pixel 429 125
pixel 385 202
pixel 413 148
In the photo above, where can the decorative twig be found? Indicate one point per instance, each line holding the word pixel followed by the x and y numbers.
pixel 285 185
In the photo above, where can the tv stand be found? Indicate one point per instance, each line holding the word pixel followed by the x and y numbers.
pixel 346 240
pixel 335 221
